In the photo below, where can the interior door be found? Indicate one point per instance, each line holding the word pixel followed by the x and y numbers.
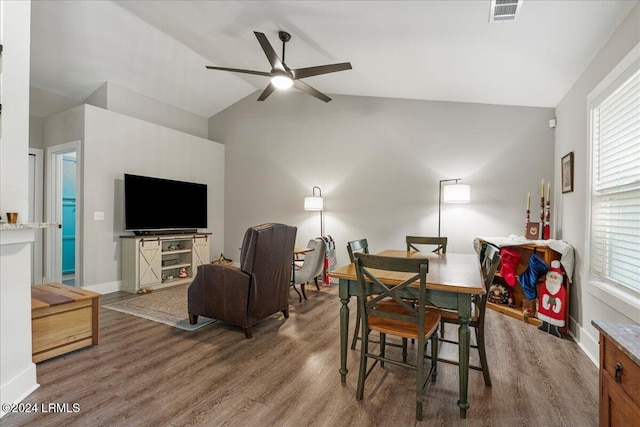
pixel 68 215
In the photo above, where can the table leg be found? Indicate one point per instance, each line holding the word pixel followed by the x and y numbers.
pixel 344 328
pixel 464 315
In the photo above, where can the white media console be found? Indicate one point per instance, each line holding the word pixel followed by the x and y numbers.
pixel 155 261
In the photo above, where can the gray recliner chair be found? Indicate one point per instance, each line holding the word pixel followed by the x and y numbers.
pixel 311 267
pixel 259 288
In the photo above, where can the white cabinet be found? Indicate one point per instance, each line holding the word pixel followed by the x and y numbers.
pixel 153 262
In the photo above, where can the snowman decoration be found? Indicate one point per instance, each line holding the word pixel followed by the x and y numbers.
pixel 552 301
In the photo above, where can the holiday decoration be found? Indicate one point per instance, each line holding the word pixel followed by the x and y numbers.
pixel 536 269
pixel 499 294
pixel 552 303
pixel 510 258
pixel 527 216
pixel 183 273
pixel 541 209
pixel 546 229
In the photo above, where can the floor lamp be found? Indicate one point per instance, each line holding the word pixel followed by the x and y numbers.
pixel 452 193
pixel 315 203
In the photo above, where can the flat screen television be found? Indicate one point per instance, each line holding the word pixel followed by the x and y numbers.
pixel 156 205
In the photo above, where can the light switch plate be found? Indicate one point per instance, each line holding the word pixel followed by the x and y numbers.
pixel 98 216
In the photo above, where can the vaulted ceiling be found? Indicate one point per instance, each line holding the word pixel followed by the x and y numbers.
pixel 432 50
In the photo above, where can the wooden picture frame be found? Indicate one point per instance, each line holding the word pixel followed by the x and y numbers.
pixel 566 172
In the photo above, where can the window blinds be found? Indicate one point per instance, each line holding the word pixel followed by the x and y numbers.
pixel 615 199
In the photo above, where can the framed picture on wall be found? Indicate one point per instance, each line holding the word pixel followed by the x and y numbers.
pixel 566 166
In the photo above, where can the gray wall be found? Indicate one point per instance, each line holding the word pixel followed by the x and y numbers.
pixel 378 162
pixel 572 135
pixel 114 144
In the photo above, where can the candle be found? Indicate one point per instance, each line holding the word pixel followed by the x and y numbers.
pixel 542 189
pixel 548 191
pixel 528 201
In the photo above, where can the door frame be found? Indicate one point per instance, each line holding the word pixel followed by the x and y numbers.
pixel 37 212
pixel 53 209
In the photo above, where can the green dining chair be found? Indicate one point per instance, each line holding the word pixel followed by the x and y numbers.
pixel 489 265
pixel 440 243
pixel 353 247
pixel 397 318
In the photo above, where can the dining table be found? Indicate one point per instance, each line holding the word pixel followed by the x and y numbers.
pixel 452 279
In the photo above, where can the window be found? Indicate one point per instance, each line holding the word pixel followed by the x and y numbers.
pixel 614 253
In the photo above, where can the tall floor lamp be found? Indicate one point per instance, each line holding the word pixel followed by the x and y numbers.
pixel 315 203
pixel 452 193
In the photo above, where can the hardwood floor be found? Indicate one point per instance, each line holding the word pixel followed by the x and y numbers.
pixel 149 374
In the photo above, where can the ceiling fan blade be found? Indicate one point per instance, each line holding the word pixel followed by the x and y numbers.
pixel 268 50
pixel 238 70
pixel 301 73
pixel 302 86
pixel 266 92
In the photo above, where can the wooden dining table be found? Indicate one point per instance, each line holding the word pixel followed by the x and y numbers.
pixel 451 281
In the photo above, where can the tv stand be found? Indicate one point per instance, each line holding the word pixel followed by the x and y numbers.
pixel 155 261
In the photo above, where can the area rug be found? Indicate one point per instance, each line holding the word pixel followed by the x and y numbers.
pixel 168 306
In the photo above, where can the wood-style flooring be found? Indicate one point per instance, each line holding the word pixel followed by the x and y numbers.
pixel 149 374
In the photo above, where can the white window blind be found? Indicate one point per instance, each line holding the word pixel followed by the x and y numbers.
pixel 615 197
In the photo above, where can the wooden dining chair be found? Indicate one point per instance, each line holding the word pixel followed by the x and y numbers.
pixel 489 265
pixel 353 247
pixel 389 314
pixel 440 243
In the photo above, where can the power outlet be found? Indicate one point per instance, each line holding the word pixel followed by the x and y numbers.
pixel 98 216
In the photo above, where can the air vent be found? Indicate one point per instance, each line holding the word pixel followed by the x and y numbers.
pixel 504 10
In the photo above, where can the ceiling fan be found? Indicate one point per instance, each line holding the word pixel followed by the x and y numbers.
pixel 283 77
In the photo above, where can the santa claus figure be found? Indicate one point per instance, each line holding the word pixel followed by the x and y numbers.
pixel 552 301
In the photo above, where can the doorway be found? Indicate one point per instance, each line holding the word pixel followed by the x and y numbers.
pixel 63 207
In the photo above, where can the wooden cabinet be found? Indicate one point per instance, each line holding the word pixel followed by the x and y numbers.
pixel 619 374
pixel 153 262
pixel 519 300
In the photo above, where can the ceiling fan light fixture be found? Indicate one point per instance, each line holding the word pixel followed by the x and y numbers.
pixel 282 82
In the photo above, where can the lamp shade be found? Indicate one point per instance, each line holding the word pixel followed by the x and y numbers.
pixel 313 203
pixel 456 193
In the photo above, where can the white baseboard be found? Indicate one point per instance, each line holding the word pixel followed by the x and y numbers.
pixel 19 387
pixel 104 288
pixel 588 344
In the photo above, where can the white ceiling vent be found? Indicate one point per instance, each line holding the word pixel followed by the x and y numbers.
pixel 504 10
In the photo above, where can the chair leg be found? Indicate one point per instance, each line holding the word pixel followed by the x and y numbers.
pixel 303 292
pixel 315 280
pixel 356 331
pixel 441 328
pixel 248 333
pixel 419 379
pixel 434 356
pixel 404 350
pixel 483 354
pixel 286 313
pixel 297 292
pixel 383 344
pixel 363 366
pixel 193 319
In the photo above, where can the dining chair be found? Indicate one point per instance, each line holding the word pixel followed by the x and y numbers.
pixel 439 242
pixel 311 267
pixel 489 265
pixel 389 314
pixel 353 247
